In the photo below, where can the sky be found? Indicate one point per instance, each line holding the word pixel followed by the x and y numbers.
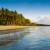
pixel 36 10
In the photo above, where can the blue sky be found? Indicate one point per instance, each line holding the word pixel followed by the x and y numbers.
pixel 35 10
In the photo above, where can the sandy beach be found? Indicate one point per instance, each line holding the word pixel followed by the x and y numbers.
pixel 10 29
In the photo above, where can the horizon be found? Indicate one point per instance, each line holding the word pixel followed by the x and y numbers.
pixel 37 11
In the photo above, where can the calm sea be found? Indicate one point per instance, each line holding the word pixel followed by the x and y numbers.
pixel 33 38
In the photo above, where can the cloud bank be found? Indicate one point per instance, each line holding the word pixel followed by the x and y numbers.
pixel 42 19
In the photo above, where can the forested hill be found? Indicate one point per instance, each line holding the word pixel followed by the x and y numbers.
pixel 8 17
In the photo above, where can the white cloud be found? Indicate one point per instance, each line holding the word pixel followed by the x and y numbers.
pixel 44 20
pixel 37 19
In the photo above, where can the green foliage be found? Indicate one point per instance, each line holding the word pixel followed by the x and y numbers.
pixel 8 17
pixel 2 22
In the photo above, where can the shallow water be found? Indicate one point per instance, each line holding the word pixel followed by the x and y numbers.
pixel 37 38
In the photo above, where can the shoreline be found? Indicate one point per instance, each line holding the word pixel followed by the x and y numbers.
pixel 12 27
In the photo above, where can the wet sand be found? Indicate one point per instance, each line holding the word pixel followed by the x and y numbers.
pixel 8 30
pixel 11 29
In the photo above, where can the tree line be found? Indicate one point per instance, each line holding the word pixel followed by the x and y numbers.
pixel 8 17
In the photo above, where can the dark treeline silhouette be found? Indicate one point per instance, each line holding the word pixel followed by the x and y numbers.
pixel 35 24
pixel 8 17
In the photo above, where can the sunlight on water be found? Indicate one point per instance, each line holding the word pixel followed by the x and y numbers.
pixel 37 39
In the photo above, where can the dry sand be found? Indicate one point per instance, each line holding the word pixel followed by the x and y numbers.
pixel 12 27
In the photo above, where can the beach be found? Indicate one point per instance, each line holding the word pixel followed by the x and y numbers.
pixel 11 29
pixel 7 30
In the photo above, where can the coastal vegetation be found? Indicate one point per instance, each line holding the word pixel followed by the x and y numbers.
pixel 8 17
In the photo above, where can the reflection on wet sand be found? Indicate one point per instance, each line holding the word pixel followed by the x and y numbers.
pixel 11 37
